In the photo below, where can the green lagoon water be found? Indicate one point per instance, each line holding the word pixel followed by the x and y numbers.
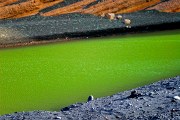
pixel 49 77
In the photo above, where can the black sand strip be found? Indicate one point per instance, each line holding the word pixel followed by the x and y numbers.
pixel 37 28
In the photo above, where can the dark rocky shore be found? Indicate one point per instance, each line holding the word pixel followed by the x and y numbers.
pixel 36 28
pixel 158 101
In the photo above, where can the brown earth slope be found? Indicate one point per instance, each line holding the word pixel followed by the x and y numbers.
pixel 120 6
pixel 169 6
pixel 76 7
pixel 32 7
pixel 28 8
pixel 6 2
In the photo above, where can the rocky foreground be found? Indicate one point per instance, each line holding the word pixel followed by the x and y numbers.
pixel 158 101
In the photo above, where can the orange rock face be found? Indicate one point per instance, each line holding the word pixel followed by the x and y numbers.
pixel 28 8
pixel 76 7
pixel 6 2
pixel 169 6
pixel 12 9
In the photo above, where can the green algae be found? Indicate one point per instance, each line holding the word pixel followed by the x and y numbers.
pixel 49 77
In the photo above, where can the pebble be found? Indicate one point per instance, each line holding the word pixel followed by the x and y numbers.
pixel 57 117
pixel 134 94
pixel 176 97
pixel 151 93
pixel 127 21
pixel 90 98
pixel 119 17
pixel 111 16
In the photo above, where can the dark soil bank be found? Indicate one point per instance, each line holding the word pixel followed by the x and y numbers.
pixel 38 28
pixel 158 101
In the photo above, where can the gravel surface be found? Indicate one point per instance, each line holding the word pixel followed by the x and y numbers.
pixel 158 101
pixel 37 28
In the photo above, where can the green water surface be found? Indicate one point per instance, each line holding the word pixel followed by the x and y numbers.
pixel 49 77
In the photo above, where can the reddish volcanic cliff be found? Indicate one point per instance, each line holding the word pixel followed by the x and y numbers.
pixel 24 8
